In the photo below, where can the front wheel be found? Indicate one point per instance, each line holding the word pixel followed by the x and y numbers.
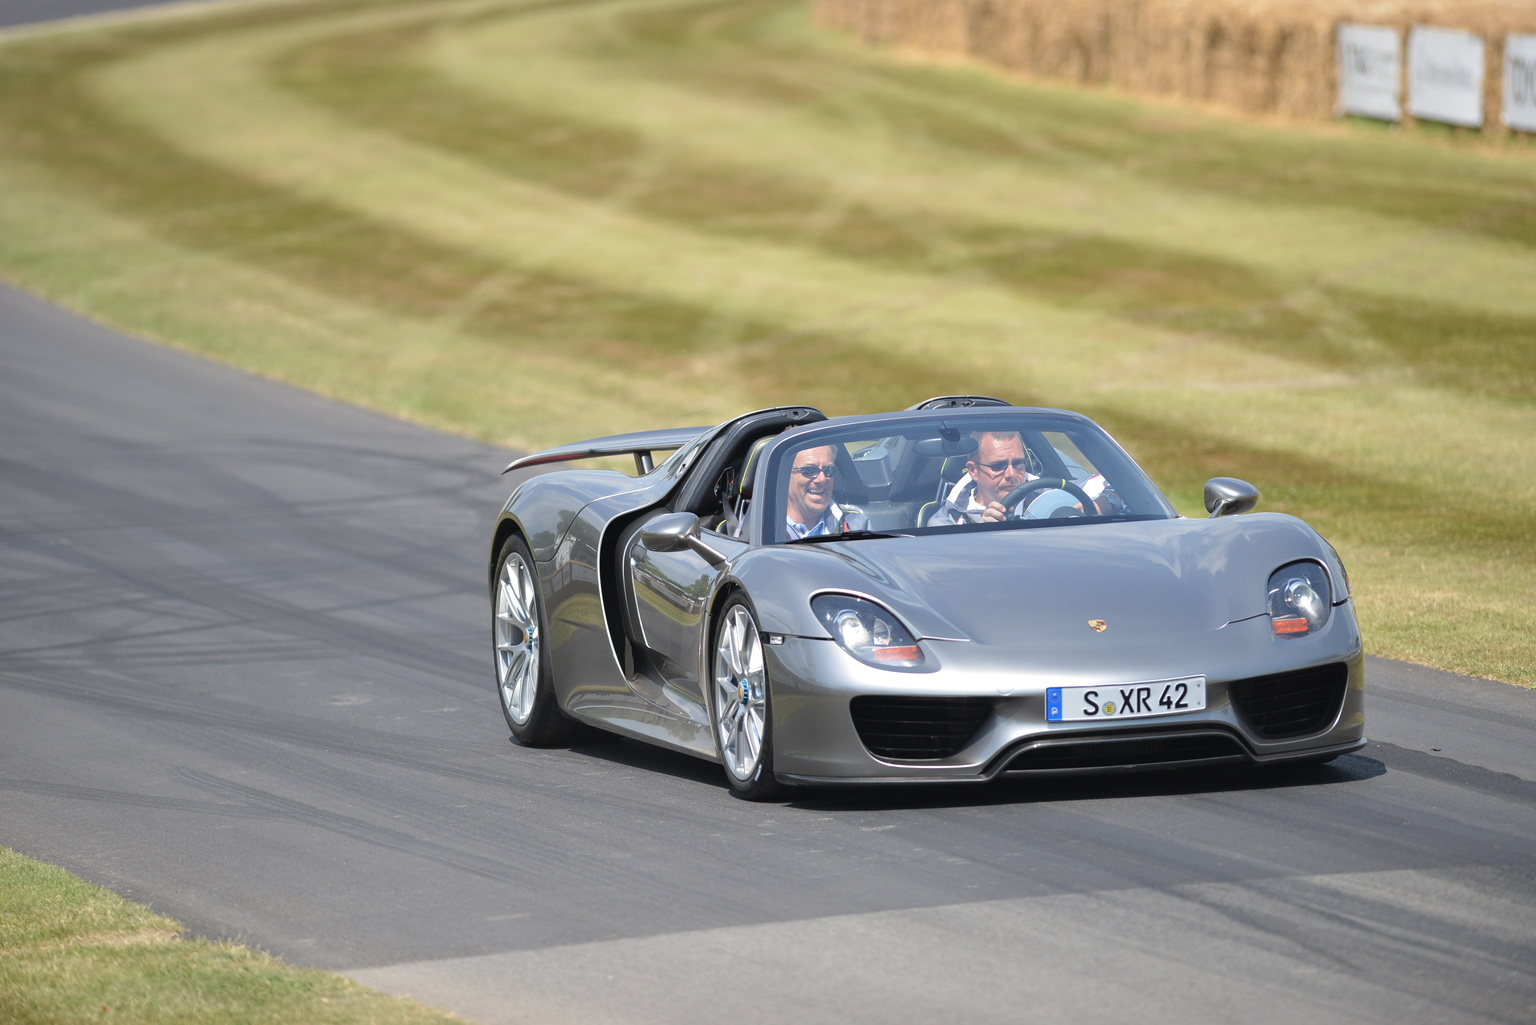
pixel 741 706
pixel 523 678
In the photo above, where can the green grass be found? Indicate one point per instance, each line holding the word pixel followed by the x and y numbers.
pixel 535 221
pixel 72 952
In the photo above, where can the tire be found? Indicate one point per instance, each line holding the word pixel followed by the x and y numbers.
pixel 741 709
pixel 524 686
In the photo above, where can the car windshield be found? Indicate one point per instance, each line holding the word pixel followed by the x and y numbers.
pixel 949 473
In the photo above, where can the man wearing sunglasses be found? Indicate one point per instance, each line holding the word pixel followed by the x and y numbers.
pixel 999 465
pixel 809 509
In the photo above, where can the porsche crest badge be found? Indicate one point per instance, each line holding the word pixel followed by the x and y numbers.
pixel 1098 626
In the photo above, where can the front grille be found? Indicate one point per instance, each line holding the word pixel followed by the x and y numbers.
pixel 1291 704
pixel 1084 753
pixel 918 729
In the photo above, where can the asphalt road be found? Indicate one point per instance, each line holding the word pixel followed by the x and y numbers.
pixel 245 678
pixel 28 12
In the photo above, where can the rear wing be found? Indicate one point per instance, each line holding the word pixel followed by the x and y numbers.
pixel 643 445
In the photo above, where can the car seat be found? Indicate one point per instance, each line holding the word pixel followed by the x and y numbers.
pixel 951 472
pixel 736 511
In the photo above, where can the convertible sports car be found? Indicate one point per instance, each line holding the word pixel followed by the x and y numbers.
pixel 956 592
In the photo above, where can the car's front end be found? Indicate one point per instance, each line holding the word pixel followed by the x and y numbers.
pixel 1062 649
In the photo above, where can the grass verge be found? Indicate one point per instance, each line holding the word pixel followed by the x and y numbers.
pixel 535 221
pixel 72 952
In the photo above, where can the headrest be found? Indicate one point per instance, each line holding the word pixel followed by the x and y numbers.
pixel 953 468
pixel 749 469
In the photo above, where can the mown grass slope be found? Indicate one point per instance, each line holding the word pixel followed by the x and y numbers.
pixel 536 221
pixel 75 953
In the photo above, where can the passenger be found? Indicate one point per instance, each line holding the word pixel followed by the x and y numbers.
pixel 998 466
pixel 809 509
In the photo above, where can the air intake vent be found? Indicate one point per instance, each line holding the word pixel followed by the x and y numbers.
pixel 1085 753
pixel 918 729
pixel 1291 704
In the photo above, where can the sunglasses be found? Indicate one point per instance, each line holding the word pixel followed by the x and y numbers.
pixel 1000 467
pixel 810 471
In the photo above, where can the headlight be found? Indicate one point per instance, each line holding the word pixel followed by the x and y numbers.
pixel 1300 599
pixel 867 632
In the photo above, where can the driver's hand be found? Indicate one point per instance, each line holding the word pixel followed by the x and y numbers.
pixel 994 513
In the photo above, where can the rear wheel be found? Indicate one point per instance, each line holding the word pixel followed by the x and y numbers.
pixel 523 679
pixel 741 706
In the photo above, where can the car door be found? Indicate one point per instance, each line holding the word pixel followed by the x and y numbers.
pixel 671 593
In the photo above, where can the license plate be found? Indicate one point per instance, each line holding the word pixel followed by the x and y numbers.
pixel 1128 701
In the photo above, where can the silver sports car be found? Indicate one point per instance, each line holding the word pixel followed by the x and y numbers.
pixel 957 592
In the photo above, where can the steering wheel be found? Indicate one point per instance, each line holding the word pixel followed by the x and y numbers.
pixel 1051 483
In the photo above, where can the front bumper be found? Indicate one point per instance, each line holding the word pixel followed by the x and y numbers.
pixel 989 708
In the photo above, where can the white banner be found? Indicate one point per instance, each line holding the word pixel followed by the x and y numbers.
pixel 1370 71
pixel 1520 83
pixel 1445 76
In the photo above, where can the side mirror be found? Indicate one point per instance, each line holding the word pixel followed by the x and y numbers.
pixel 1228 496
pixel 671 531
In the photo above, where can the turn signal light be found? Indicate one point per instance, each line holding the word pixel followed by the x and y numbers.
pixel 908 656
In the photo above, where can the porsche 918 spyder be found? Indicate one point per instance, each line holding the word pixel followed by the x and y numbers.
pixel 960 591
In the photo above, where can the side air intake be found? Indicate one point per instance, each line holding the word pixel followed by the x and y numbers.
pixel 918 729
pixel 1291 704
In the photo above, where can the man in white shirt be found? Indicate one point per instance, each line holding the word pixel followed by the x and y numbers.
pixel 999 465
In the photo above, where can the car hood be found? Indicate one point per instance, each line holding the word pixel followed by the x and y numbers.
pixel 1150 580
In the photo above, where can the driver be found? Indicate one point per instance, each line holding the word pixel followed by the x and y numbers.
pixel 998 466
pixel 809 509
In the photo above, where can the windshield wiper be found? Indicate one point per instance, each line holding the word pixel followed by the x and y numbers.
pixel 851 535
